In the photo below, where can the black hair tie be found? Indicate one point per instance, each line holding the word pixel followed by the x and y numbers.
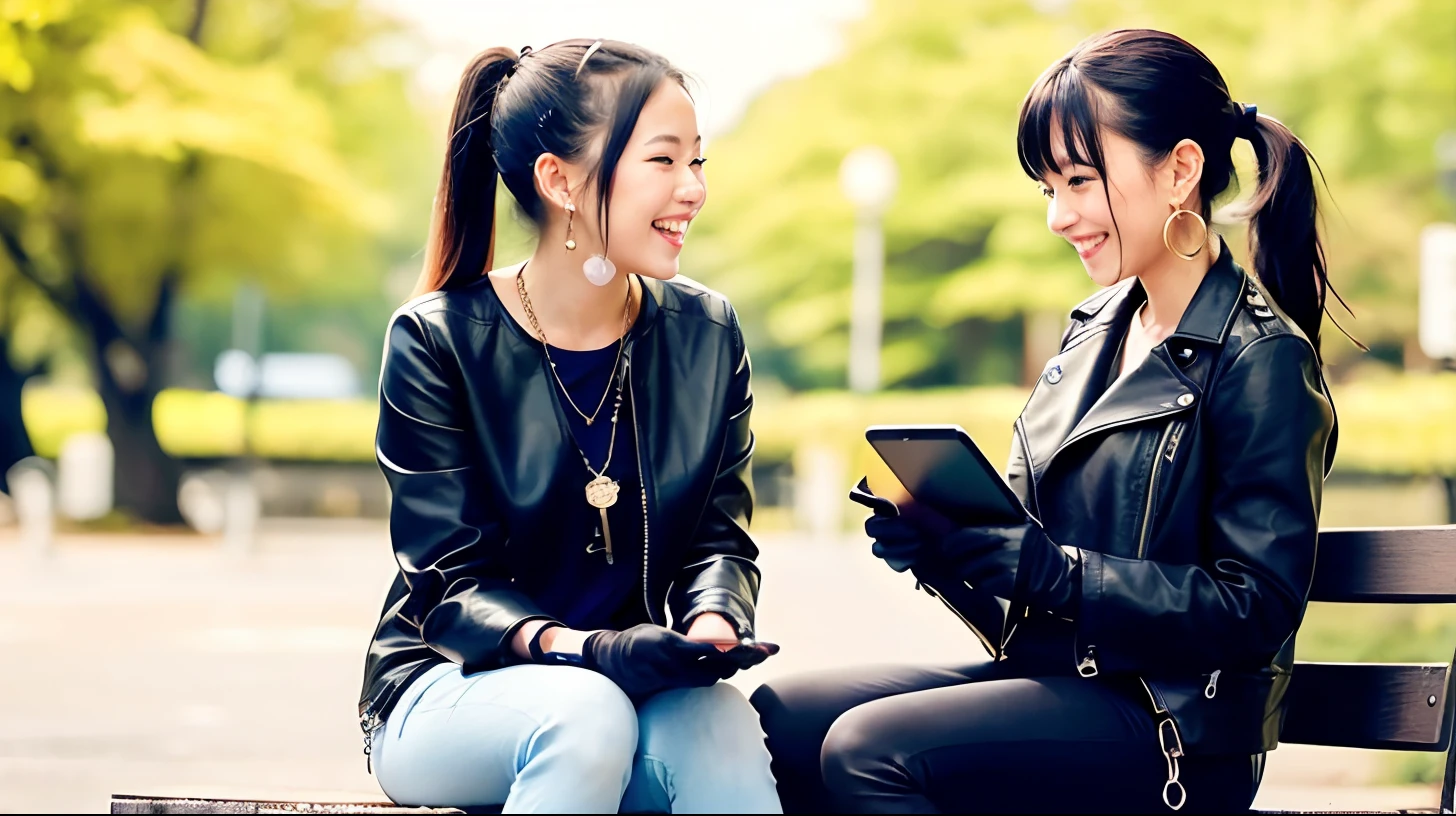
pixel 1249 123
pixel 516 63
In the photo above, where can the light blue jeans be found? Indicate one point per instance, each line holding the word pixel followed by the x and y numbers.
pixel 559 739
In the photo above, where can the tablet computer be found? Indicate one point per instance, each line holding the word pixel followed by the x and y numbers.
pixel 943 469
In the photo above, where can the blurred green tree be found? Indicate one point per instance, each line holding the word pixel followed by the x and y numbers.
pixel 969 260
pixel 159 148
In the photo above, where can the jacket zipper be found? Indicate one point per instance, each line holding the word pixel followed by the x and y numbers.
pixel 1159 706
pixel 368 721
pixel 1133 421
pixel 642 480
pixel 1212 688
pixel 1167 447
pixel 1170 742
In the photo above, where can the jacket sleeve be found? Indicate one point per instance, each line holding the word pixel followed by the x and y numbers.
pixel 449 546
pixel 1270 421
pixel 721 575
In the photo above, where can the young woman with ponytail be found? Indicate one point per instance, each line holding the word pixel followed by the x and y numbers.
pixel 1170 459
pixel 567 444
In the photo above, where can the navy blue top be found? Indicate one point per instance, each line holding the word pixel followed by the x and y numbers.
pixel 588 593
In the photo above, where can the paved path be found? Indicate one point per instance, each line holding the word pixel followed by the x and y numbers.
pixel 146 664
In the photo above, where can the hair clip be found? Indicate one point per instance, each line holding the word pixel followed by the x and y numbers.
pixel 525 49
pixel 585 57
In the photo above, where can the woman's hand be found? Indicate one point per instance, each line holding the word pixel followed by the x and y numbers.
pixel 895 540
pixel 908 539
pixel 711 627
pixel 1017 562
pixel 647 659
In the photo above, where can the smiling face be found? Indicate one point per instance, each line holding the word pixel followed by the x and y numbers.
pixel 1115 223
pixel 657 190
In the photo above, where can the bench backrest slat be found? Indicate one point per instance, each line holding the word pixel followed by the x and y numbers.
pixel 1386 565
pixel 1400 707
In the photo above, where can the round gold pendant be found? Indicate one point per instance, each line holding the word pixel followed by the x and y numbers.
pixel 601 492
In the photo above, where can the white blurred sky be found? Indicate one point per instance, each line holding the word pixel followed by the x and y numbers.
pixel 734 48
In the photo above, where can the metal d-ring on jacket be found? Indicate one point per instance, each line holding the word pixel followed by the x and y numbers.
pixel 1192 489
pixel 476 451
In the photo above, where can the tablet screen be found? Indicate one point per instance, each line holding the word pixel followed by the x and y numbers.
pixel 942 468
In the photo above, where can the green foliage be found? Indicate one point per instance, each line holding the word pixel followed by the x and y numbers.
pixel 158 151
pixel 1397 426
pixel 1368 86
pixel 278 148
pixel 1393 425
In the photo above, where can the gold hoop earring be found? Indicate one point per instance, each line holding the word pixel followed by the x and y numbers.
pixel 570 242
pixel 1202 242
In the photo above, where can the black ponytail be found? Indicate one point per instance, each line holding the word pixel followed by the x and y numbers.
pixel 461 245
pixel 1283 230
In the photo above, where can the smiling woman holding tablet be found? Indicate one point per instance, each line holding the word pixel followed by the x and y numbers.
pixel 1169 464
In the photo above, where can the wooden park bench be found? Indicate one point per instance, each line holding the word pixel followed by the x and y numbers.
pixel 1402 707
pixel 1391 706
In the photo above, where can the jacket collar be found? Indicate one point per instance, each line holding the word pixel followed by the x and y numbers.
pixel 1208 318
pixel 653 292
pixel 1076 405
pixel 1210 315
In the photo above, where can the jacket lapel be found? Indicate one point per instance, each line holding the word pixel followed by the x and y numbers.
pixel 1154 389
pixel 1077 406
pixel 1068 387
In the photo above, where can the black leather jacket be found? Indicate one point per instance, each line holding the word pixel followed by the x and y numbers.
pixel 473 442
pixel 1192 489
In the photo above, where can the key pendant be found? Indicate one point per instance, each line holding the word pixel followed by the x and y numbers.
pixel 606 532
pixel 601 493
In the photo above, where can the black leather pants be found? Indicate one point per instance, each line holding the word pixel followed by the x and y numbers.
pixel 979 739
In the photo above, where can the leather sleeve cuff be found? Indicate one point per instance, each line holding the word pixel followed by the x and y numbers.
pixel 473 627
pixel 736 610
pixel 727 585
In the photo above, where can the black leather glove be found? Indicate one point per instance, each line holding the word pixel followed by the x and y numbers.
pixel 900 541
pixel 907 537
pixel 747 654
pixel 1018 562
pixel 647 659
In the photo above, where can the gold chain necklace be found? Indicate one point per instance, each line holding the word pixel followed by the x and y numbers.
pixel 536 325
pixel 601 491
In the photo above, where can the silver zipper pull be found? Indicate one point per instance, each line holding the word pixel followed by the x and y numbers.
pixel 1212 687
pixel 1173 445
pixel 1174 786
pixel 1088 666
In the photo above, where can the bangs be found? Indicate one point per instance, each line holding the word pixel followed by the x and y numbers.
pixel 1059 103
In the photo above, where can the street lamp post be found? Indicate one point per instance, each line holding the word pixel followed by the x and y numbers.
pixel 868 177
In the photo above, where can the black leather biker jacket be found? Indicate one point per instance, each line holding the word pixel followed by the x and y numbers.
pixel 474 444
pixel 1191 488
